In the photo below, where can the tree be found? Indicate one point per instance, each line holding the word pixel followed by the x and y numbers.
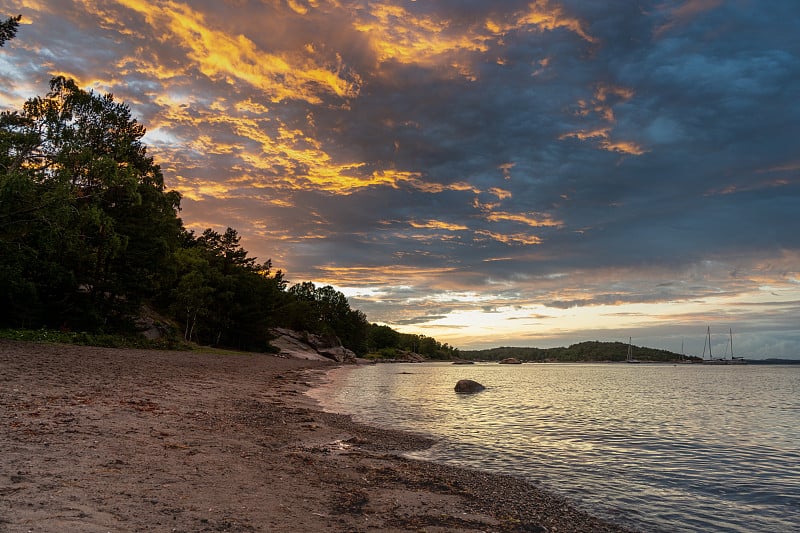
pixel 8 29
pixel 325 310
pixel 84 202
pixel 380 337
pixel 192 294
pixel 226 250
pixel 224 296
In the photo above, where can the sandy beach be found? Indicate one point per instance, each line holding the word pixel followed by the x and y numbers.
pixel 97 440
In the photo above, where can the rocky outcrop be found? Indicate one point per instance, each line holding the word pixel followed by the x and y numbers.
pixel 510 361
pixel 304 345
pixel 153 326
pixel 402 356
pixel 467 386
pixel 410 357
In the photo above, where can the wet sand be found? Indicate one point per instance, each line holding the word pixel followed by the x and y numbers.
pixel 97 440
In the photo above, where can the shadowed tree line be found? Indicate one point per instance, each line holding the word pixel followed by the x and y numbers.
pixel 388 343
pixel 89 235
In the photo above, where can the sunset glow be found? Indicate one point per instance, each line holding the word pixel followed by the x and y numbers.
pixel 531 173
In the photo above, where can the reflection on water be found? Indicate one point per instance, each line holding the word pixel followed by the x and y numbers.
pixel 661 447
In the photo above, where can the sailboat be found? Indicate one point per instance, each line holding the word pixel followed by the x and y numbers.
pixel 721 361
pixel 630 358
pixel 710 360
pixel 735 360
pixel 684 359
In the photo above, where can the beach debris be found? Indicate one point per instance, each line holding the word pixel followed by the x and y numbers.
pixel 467 386
pixel 335 447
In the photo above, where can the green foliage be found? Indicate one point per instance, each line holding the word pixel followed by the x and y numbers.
pixel 385 342
pixel 324 310
pixel 381 337
pixel 222 296
pixel 106 340
pixel 81 200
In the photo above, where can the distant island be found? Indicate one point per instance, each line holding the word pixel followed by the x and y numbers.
pixel 589 351
pixel 595 352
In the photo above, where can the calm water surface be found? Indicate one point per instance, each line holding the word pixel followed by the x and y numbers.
pixel 657 447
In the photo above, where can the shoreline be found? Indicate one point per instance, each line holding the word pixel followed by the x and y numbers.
pixel 100 439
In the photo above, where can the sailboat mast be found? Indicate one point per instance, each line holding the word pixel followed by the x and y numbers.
pixel 731 331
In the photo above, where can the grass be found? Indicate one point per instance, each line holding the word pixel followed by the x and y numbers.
pixel 82 338
pixel 114 340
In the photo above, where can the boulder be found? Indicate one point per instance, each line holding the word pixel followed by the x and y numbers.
pixel 340 354
pixel 410 357
pixel 467 386
pixel 152 326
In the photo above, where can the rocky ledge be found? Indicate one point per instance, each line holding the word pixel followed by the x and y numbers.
pixel 304 345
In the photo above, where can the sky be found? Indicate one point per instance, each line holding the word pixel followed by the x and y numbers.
pixel 488 173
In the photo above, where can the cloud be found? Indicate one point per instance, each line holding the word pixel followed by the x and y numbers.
pixel 684 13
pixel 290 75
pixel 600 110
pixel 564 164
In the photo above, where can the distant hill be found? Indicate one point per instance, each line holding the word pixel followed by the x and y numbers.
pixel 589 351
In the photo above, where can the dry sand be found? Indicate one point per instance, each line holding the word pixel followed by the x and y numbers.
pixel 96 440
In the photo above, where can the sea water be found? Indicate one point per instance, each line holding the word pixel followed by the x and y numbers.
pixel 654 447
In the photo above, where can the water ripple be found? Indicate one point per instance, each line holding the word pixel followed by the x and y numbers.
pixel 663 448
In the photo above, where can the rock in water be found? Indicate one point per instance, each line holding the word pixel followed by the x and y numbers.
pixel 468 386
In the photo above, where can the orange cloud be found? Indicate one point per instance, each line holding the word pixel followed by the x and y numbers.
pixel 583 135
pixel 511 239
pixel 603 134
pixel 623 147
pixel 299 7
pixel 392 275
pixel 437 224
pixel 260 143
pixel 545 16
pixel 601 105
pixel 218 55
pixel 265 146
pixel 501 194
pixel 604 91
pixel 506 169
pixel 538 221
pixel 198 189
pixel 397 34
